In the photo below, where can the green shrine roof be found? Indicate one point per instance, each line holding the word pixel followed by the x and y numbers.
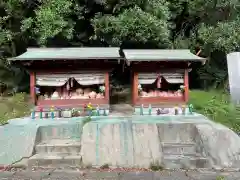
pixel 107 53
pixel 160 55
pixel 69 53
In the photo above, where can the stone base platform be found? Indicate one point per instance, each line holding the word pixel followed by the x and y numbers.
pixel 169 142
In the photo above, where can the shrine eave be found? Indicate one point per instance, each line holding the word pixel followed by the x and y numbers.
pixel 161 55
pixel 31 54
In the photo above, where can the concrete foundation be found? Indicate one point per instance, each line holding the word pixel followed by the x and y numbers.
pixel 191 142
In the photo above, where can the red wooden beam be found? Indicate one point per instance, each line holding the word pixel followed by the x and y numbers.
pixel 186 84
pixel 106 76
pixel 134 87
pixel 32 87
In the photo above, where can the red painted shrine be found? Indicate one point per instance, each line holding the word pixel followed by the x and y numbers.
pixel 160 77
pixel 69 77
pixel 72 77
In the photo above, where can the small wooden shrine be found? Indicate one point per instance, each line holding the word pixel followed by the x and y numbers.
pixel 69 77
pixel 160 77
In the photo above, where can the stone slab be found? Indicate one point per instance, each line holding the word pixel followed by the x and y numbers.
pixel 101 144
pixel 147 149
pixel 59 146
pixel 54 160
pixel 177 133
pixel 184 162
pixel 16 142
pixel 221 144
pixel 123 144
pixel 179 148
pixel 23 133
pixel 60 131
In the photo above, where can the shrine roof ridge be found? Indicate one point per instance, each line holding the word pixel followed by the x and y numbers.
pixel 161 55
pixel 111 53
pixel 72 53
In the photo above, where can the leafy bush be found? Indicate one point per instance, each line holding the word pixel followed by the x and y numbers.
pixel 216 105
pixel 14 107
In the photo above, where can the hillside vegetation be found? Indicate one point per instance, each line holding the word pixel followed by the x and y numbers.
pixel 205 26
pixel 216 106
pixel 14 107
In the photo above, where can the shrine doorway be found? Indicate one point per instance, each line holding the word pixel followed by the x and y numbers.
pixel 120 84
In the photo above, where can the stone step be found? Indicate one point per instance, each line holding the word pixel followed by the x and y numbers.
pixel 179 148
pixel 177 132
pixel 60 131
pixel 59 146
pixel 55 160
pixel 182 162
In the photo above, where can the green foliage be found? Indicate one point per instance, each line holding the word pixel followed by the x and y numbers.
pixel 52 18
pixel 216 106
pixel 14 107
pixel 208 24
pixel 223 36
pixel 220 178
pixel 86 120
pixel 196 24
pixel 12 12
pixel 12 77
pixel 214 74
pixel 135 24
pixel 156 166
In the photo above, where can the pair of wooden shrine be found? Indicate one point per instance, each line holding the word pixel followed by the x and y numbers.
pixel 70 73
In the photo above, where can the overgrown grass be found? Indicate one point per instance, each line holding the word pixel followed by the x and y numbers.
pixel 155 166
pixel 14 107
pixel 217 106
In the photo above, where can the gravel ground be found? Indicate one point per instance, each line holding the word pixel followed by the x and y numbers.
pixel 61 174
